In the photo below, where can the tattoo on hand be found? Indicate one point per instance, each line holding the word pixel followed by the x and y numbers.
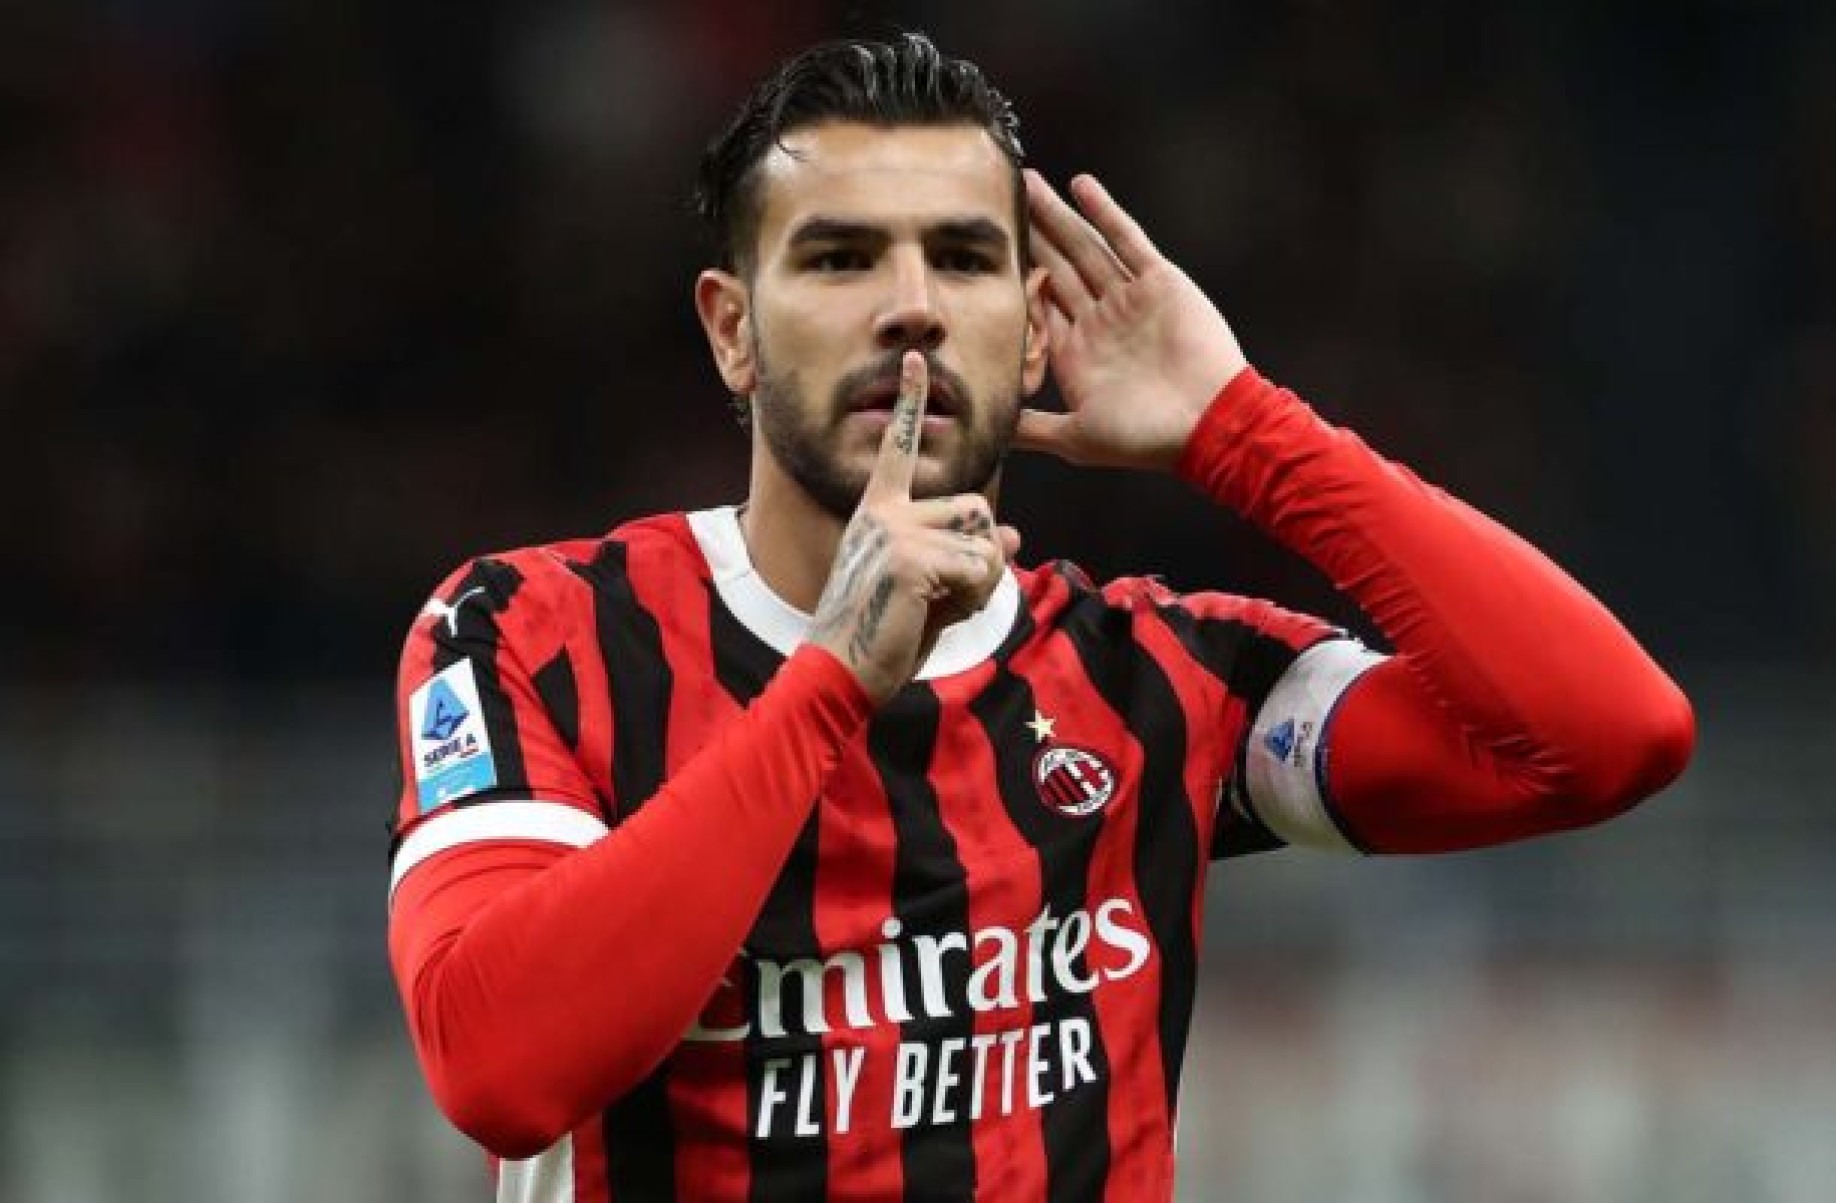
pixel 842 598
pixel 860 646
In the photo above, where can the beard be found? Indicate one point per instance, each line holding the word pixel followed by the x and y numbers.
pixel 807 441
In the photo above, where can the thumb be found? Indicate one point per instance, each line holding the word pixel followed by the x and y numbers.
pixel 1048 432
pixel 1010 541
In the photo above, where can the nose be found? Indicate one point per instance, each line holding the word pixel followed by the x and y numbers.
pixel 911 318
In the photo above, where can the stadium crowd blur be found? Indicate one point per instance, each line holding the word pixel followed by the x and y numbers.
pixel 302 303
pixel 299 303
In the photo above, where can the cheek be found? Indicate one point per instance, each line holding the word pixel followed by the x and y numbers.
pixel 806 339
pixel 998 343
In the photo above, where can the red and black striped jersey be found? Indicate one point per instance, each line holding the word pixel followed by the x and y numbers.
pixel 974 976
pixel 678 914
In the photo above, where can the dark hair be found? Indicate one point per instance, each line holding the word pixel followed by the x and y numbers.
pixel 904 82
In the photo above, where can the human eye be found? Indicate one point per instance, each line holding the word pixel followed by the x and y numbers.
pixel 966 261
pixel 836 260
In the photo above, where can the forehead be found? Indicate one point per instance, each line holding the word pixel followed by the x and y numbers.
pixel 897 175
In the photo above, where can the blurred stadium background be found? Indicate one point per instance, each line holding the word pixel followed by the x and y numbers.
pixel 302 302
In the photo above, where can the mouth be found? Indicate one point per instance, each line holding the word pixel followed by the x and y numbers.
pixel 881 395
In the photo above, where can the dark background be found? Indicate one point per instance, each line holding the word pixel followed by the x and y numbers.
pixel 302 303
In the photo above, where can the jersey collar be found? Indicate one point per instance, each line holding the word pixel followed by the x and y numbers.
pixel 781 626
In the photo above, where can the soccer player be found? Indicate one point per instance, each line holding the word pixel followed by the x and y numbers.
pixel 815 848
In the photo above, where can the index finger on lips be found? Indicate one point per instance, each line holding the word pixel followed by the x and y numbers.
pixel 898 458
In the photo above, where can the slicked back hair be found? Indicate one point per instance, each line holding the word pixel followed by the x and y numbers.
pixel 905 82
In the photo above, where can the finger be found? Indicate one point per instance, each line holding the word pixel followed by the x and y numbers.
pixel 1064 287
pixel 1059 328
pixel 1061 233
pixel 965 513
pixel 1118 229
pixel 1066 230
pixel 1000 543
pixel 984 548
pixel 954 567
pixel 953 598
pixel 1041 431
pixel 898 459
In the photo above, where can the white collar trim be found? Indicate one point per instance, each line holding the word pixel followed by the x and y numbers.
pixel 962 646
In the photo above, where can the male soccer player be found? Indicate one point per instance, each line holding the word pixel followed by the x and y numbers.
pixel 813 848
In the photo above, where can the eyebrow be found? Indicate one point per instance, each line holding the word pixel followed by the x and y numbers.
pixel 833 229
pixel 978 231
pixel 973 230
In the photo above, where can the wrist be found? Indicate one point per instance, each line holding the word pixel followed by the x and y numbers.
pixel 1204 381
pixel 816 671
pixel 1214 426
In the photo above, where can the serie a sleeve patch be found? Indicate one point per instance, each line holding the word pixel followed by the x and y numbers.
pixel 1286 756
pixel 452 748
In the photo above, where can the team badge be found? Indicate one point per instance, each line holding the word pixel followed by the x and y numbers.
pixel 1069 779
pixel 452 748
pixel 1072 781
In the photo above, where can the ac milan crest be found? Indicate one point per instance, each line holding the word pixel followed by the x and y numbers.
pixel 1072 781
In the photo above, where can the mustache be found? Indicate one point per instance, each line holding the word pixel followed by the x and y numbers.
pixel 947 392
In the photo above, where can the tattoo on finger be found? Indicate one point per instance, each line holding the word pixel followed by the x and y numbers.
pixel 907 434
pixel 975 523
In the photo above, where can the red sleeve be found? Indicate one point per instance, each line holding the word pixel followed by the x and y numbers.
pixel 474 724
pixel 536 986
pixel 1516 704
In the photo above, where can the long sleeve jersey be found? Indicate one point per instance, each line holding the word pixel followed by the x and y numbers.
pixel 677 913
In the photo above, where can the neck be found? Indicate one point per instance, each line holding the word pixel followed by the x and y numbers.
pixel 790 539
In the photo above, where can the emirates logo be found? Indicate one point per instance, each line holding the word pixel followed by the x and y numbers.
pixel 1072 781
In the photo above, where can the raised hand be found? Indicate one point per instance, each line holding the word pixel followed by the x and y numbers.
pixel 906 569
pixel 1138 350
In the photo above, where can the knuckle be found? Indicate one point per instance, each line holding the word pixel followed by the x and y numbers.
pixel 972 515
pixel 907 559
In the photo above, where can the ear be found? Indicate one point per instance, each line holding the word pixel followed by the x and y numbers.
pixel 1038 344
pixel 724 304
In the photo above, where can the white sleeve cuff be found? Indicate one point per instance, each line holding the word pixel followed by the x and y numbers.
pixel 544 822
pixel 1284 762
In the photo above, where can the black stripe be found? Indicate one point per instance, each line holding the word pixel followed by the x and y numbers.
pixel 554 683
pixel 1239 830
pixel 640 1141
pixel 930 894
pixel 1249 663
pixel 1166 849
pixel 639 1137
pixel 473 634
pixel 1077 1124
pixel 784 1165
pixel 638 676
pixel 743 663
